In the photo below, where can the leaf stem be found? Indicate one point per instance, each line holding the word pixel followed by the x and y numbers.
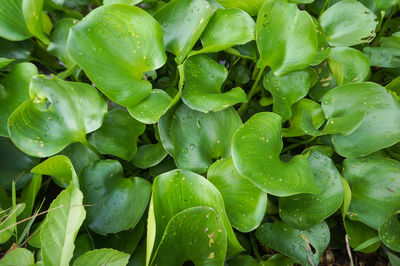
pixel 254 246
pixel 384 26
pixel 91 147
pixel 252 91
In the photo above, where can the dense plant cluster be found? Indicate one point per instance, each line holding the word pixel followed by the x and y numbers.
pixel 205 132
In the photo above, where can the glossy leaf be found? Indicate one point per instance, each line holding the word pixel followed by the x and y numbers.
pixel 347 23
pixel 389 232
pixel 34 16
pixel 5 62
pixel 324 83
pixel 287 90
pixel 359 233
pixel 204 78
pixel 251 6
pixel 183 22
pixel 12 21
pixel 203 233
pixel 120 43
pixel 14 165
pixel 15 91
pixel 227 28
pixel 61 226
pixel 306 210
pixel 79 155
pixel 283 30
pixel 179 190
pixel 348 65
pixel 245 203
pixel 149 155
pixel 317 117
pixel 380 126
pixel 60 168
pixel 255 151
pixel 131 2
pixel 59 113
pixel 375 185
pixel 18 257
pixel 107 257
pixel 323 46
pixel 118 202
pixel 200 138
pixel 118 135
pixel 304 247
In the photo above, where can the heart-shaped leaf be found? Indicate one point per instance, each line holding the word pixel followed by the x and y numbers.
pixel 227 28
pixel 306 210
pixel 348 23
pixel 348 65
pixel 61 226
pixel 15 91
pixel 389 232
pixel 255 151
pixel 178 190
pixel 375 186
pixel 118 135
pixel 250 6
pixel 287 90
pixel 305 247
pixel 183 22
pixel 286 37
pixel 109 257
pixel 120 43
pixel 379 111
pixel 245 203
pixel 204 78
pixel 118 202
pixel 14 165
pixel 59 113
pixel 200 138
pixel 196 234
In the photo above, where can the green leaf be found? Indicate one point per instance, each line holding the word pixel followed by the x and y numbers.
pixel 305 247
pixel 375 186
pixel 34 16
pixel 80 155
pixel 18 257
pixel 179 190
pixel 383 56
pixel 306 210
pixel 282 32
pixel 199 138
pixel 5 62
pixel 183 22
pixel 202 233
pixel 324 83
pixel 118 202
pixel 298 109
pixel 152 108
pixel 380 128
pixel 346 197
pixel 60 168
pixel 58 41
pixel 348 23
pixel 204 78
pixel 149 155
pixel 12 21
pixel 59 113
pixel 118 135
pixel 28 195
pixel 61 226
pixel 14 165
pixel 323 46
pixel 130 2
pixel 359 233
pixel 287 90
pixel 250 6
pixel 15 92
pixel 255 151
pixel 348 65
pixel 227 28
pixel 394 260
pixel 109 257
pixel 245 203
pixel 17 50
pixel 119 43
